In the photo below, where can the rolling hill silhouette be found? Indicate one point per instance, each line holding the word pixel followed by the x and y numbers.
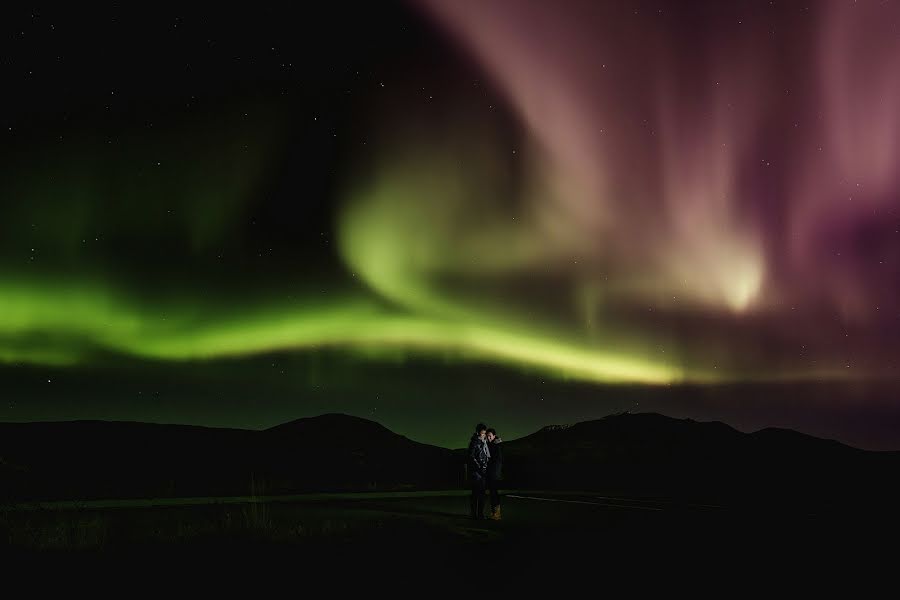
pixel 94 459
pixel 653 455
pixel 646 455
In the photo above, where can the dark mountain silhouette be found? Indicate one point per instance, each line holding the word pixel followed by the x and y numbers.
pixel 94 459
pixel 647 455
pixel 657 456
pixel 340 452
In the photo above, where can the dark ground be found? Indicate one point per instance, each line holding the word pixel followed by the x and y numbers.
pixel 548 530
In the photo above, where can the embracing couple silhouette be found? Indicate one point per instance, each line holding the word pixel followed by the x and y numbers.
pixel 485 460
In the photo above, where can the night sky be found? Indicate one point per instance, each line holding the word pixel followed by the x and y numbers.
pixel 437 212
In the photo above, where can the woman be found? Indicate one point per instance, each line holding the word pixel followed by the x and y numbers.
pixel 494 471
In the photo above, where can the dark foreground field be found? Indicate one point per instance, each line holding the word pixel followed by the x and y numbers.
pixel 538 528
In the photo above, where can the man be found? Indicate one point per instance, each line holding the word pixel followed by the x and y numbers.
pixel 478 457
pixel 494 471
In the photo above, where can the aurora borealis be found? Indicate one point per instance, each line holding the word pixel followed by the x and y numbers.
pixel 588 194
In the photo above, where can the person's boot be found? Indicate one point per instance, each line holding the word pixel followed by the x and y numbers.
pixel 473 508
pixel 496 515
pixel 480 503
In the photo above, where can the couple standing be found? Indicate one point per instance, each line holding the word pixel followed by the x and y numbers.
pixel 485 460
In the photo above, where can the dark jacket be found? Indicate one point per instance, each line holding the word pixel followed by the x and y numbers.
pixel 495 464
pixel 477 456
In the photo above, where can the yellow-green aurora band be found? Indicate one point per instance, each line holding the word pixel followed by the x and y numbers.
pixel 60 323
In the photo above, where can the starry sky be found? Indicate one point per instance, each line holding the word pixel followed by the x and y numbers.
pixel 436 212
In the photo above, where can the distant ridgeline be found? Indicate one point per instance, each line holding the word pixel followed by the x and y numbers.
pixel 97 460
pixel 646 455
pixel 555 427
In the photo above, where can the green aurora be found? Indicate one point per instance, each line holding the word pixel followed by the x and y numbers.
pixel 432 214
